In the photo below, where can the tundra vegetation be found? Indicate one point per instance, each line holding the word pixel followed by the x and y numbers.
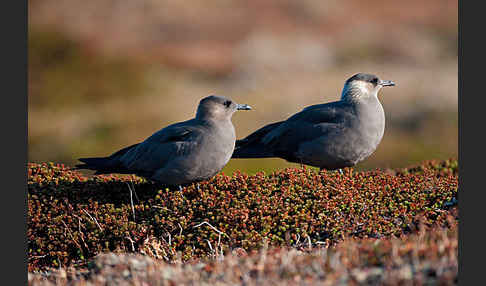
pixel 295 224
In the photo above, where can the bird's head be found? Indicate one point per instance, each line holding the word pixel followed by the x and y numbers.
pixel 363 85
pixel 218 107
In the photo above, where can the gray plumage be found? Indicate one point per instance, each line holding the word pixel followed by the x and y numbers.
pixel 330 136
pixel 181 153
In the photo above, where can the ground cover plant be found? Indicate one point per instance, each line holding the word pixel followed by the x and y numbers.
pixel 427 257
pixel 72 218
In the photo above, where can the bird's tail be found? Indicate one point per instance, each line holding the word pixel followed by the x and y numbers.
pixel 252 146
pixel 250 151
pixel 102 165
pixel 105 165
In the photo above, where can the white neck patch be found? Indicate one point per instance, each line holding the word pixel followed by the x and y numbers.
pixel 359 89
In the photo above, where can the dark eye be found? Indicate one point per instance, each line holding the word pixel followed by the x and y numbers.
pixel 374 81
pixel 227 103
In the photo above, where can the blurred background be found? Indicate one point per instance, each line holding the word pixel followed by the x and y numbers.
pixel 107 74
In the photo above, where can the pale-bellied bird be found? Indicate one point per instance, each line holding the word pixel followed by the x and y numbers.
pixel 330 136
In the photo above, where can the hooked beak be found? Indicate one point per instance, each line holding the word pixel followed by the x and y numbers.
pixel 243 107
pixel 387 83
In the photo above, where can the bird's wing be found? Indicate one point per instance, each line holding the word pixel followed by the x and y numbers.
pixel 165 145
pixel 332 112
pixel 251 146
pixel 282 139
pixel 178 132
pixel 258 135
pixel 309 124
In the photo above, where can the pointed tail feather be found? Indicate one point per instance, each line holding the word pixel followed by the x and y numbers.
pixel 106 165
pixel 252 146
pixel 251 151
pixel 102 165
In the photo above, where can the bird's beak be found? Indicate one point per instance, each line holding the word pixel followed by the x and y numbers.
pixel 387 83
pixel 243 107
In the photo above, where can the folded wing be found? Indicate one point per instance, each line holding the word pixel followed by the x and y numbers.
pixel 282 139
pixel 150 155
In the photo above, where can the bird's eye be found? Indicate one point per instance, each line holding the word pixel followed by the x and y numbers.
pixel 374 80
pixel 227 103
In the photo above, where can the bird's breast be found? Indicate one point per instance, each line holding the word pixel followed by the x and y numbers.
pixel 220 144
pixel 371 127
